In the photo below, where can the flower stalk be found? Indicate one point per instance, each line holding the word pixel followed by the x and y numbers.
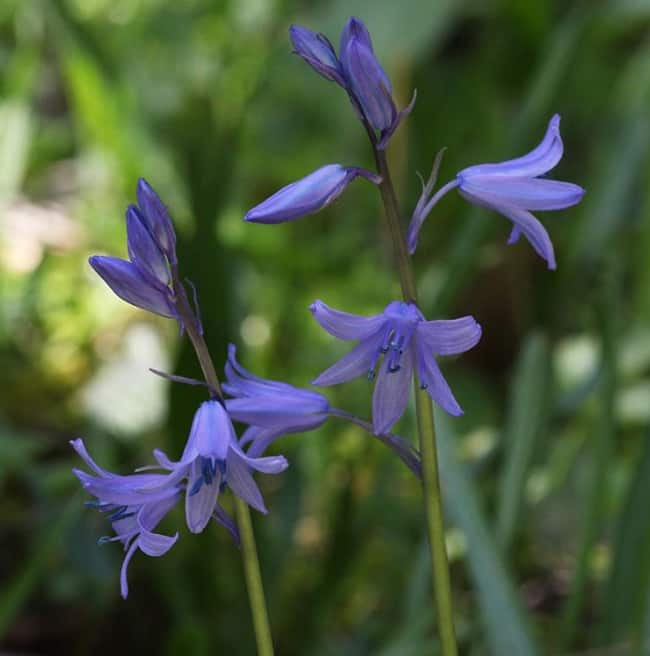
pixel 250 558
pixel 424 410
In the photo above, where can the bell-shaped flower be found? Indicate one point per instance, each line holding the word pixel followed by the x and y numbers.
pixel 408 344
pixel 144 280
pixel 135 504
pixel 308 195
pixel 270 408
pixel 273 409
pixel 213 459
pixel 512 188
pixel 357 70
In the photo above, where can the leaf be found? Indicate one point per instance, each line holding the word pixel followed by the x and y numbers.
pixel 629 578
pixel 526 414
pixel 505 622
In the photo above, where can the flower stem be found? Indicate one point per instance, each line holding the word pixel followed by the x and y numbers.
pixel 426 429
pixel 252 572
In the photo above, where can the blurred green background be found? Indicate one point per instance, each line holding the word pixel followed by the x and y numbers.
pixel 546 477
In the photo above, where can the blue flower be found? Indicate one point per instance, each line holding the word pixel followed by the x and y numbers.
pixel 270 408
pixel 512 188
pixel 144 280
pixel 308 195
pixel 357 70
pixel 408 344
pixel 135 504
pixel 318 52
pixel 213 459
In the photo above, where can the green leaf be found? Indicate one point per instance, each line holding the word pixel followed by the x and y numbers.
pixel 526 415
pixel 505 622
pixel 627 587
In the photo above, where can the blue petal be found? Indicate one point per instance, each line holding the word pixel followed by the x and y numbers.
pixel 515 233
pixel 157 219
pixel 538 161
pixel 344 325
pixel 155 544
pixel 355 29
pixel 534 232
pixel 211 433
pixel 391 393
pixel 449 337
pixel 241 382
pixel 200 503
pixel 355 363
pixel 305 196
pixel 367 81
pixel 317 51
pixel 436 386
pixel 266 465
pixel 143 250
pixel 274 410
pixel 527 193
pixel 124 585
pixel 532 229
pixel 241 482
pixel 223 518
pixel 131 286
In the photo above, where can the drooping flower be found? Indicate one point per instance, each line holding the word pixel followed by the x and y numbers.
pixel 213 459
pixel 408 344
pixel 308 195
pixel 144 279
pixel 270 408
pixel 135 504
pixel 512 188
pixel 273 409
pixel 357 70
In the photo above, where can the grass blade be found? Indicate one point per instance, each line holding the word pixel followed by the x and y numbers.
pixel 525 416
pixel 505 623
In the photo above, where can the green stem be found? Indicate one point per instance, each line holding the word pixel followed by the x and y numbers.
pixel 426 429
pixel 252 572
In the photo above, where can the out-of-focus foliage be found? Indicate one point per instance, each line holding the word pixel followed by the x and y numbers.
pixel 546 475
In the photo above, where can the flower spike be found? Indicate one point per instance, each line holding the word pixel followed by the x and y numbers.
pixel 512 188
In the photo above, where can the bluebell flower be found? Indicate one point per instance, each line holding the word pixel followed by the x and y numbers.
pixel 408 344
pixel 308 195
pixel 273 409
pixel 213 459
pixel 270 408
pixel 144 280
pixel 134 504
pixel 512 188
pixel 357 70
